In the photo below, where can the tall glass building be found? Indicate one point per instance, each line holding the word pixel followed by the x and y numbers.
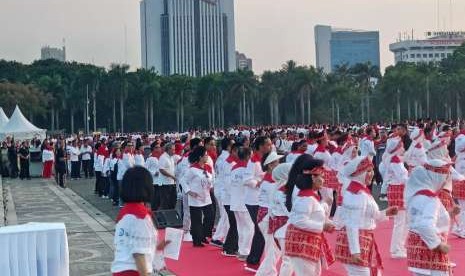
pixel 335 47
pixel 188 37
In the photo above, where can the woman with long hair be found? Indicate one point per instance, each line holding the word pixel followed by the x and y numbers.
pixel 305 243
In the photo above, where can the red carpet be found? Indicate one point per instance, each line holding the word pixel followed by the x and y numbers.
pixel 208 261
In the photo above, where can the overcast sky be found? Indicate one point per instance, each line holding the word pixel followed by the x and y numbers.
pixel 269 31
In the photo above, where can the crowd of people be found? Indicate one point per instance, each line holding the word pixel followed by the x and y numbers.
pixel 278 189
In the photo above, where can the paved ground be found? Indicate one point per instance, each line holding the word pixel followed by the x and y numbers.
pixel 90 233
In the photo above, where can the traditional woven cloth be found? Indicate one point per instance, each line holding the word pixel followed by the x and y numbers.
pixel 275 223
pixel 307 245
pixel 339 198
pixel 395 195
pixel 331 180
pixel 368 250
pixel 420 256
pixel 261 214
pixel 446 199
pixel 458 189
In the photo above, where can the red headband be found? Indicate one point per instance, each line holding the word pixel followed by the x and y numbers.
pixel 363 166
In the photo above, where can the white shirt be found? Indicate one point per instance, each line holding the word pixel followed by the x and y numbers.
pixel 152 167
pixel 198 181
pixel 139 160
pixel 47 155
pixel 393 171
pixel 220 174
pixel 251 189
pixel 307 214
pixel 86 151
pixel 74 154
pixel 428 218
pixel 166 162
pixel 359 211
pixel 134 235
pixel 278 204
pixel 126 162
pixel 241 176
pixel 227 168
pixel 266 192
pixel 367 147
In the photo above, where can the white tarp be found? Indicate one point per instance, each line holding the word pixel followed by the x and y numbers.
pixel 3 118
pixel 20 128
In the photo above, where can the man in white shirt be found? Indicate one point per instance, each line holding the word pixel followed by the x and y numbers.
pixel 86 152
pixel 167 178
pixel 75 164
pixel 367 146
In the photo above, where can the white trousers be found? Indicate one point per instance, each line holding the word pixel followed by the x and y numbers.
pixel 304 267
pixel 271 251
pixel 186 218
pixel 327 196
pixel 399 234
pixel 356 270
pixel 245 231
pixel 459 227
pixel 223 223
pixel 286 268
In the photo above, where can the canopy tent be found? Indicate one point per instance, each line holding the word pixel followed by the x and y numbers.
pixel 20 128
pixel 3 118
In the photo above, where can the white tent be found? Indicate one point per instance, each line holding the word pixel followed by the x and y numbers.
pixel 20 128
pixel 3 118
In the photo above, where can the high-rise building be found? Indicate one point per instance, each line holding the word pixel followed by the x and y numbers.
pixel 188 37
pixel 336 47
pixel 243 62
pixel 48 52
pixel 434 48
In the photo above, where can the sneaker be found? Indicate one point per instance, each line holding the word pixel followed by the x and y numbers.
pixel 216 243
pixel 187 237
pixel 199 245
pixel 241 258
pixel 229 254
pixel 252 267
pixel 383 198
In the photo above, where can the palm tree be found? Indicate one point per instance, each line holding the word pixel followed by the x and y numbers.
pixel 118 74
pixel 307 79
pixel 242 83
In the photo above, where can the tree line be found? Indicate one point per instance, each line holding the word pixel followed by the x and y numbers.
pixel 71 96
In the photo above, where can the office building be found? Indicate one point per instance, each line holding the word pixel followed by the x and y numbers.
pixel 188 37
pixel 48 52
pixel 433 48
pixel 243 62
pixel 336 47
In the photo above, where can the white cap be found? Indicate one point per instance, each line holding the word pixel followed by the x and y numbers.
pixel 273 156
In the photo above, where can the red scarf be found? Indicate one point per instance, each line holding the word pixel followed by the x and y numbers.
pixel 427 193
pixel 137 209
pixel 256 157
pixel 269 178
pixel 309 192
pixel 240 164
pixel 156 154
pixel 355 187
pixel 205 167
pixel 231 159
pixel 213 155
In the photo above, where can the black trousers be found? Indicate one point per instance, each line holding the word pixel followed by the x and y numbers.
pixel 258 241
pixel 60 177
pixel 98 180
pixel 86 167
pixel 105 187
pixel 230 244
pixel 201 223
pixel 155 204
pixel 24 169
pixel 168 197
pixel 115 195
pixel 75 169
